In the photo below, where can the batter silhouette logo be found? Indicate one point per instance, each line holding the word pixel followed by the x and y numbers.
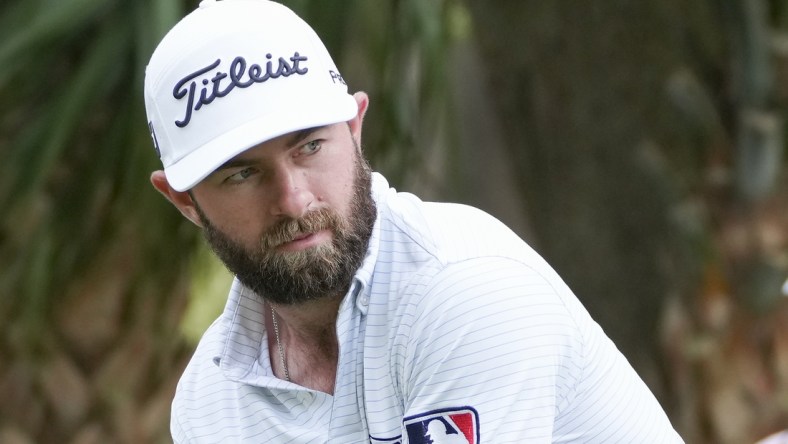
pixel 446 426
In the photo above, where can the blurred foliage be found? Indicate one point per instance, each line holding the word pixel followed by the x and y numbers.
pixel 75 157
pixel 646 133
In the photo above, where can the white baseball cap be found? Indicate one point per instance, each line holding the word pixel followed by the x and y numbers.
pixel 231 75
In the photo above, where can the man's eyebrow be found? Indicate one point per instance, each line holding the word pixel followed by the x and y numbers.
pixel 301 135
pixel 235 163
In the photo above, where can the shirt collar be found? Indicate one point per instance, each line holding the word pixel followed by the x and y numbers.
pixel 363 276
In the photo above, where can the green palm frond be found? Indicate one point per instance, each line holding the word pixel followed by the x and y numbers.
pixel 74 146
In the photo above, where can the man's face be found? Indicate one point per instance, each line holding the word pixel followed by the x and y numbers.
pixel 303 218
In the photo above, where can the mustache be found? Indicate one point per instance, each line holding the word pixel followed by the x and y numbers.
pixel 289 229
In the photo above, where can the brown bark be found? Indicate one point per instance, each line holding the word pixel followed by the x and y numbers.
pixel 628 126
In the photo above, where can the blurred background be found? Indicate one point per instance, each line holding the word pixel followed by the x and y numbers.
pixel 639 146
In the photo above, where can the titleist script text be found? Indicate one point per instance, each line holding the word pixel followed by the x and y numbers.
pixel 238 76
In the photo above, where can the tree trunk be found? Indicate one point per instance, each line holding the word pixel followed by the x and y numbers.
pixel 622 123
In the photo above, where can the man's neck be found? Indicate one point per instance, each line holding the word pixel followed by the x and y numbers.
pixel 307 335
pixel 308 321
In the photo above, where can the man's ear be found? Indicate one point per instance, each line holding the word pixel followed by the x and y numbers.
pixel 181 199
pixel 356 122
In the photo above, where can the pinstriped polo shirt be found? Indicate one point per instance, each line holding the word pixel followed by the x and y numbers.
pixel 454 330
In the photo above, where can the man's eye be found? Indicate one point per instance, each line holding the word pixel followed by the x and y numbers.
pixel 311 147
pixel 240 176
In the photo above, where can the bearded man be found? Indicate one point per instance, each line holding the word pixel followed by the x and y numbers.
pixel 358 314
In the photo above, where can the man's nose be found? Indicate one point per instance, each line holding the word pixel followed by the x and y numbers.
pixel 293 196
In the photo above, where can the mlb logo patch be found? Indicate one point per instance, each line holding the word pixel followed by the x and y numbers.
pixel 446 426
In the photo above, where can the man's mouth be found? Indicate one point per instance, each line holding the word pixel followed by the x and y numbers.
pixel 304 240
pixel 300 236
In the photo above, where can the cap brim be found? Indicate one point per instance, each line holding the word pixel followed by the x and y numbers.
pixel 200 163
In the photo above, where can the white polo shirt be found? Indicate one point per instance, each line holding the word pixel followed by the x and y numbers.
pixel 454 330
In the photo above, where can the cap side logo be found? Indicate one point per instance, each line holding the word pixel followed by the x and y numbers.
pixel 237 76
pixel 155 140
pixel 446 426
pixel 336 77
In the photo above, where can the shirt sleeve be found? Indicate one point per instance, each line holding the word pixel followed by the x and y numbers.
pixel 508 346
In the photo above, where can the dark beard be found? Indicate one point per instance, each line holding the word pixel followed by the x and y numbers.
pixel 318 272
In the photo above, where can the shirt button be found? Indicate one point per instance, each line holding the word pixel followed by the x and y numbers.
pixel 364 301
pixel 304 397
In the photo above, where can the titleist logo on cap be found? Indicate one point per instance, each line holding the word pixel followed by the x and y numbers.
pixel 237 76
